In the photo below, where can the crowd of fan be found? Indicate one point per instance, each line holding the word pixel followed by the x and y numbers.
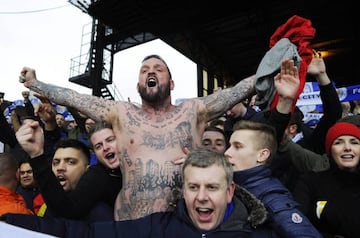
pixel 63 169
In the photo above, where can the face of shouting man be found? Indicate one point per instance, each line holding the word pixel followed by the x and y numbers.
pixel 105 147
pixel 155 81
pixel 70 161
pixel 69 164
pixel 207 194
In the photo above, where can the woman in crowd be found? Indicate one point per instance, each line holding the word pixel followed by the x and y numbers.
pixel 331 198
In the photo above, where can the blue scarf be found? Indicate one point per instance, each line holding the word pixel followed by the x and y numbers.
pixel 229 210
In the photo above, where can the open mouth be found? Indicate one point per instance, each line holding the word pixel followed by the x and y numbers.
pixel 204 211
pixel 347 157
pixel 62 180
pixel 151 82
pixel 205 214
pixel 110 156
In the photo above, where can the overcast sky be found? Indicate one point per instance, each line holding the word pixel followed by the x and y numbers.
pixel 46 35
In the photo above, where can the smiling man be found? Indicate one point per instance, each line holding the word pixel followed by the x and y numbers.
pixel 28 187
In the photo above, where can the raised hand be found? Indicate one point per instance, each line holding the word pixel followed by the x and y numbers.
pixel 27 76
pixel 287 81
pixel 317 69
pixel 30 137
pixel 45 109
pixel 316 66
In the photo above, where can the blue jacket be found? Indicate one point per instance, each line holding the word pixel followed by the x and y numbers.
pixel 284 215
pixel 240 223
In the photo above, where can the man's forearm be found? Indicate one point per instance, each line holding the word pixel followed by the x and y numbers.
pixel 91 106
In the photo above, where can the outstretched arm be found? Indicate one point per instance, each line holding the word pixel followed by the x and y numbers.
pixel 331 106
pixel 94 107
pixel 217 103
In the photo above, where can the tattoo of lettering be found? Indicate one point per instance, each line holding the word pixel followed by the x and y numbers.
pixel 152 188
pixel 181 136
pixel 132 120
pixel 127 159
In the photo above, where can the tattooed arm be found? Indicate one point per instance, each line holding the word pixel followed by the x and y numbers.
pixel 217 103
pixel 92 106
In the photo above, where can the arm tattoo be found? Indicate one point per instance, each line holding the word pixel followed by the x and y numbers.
pixel 94 107
pixel 217 103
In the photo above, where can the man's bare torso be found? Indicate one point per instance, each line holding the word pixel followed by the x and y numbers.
pixel 149 144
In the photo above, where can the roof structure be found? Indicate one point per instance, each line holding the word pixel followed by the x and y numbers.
pixel 229 38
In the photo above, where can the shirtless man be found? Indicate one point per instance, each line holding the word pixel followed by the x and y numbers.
pixel 151 137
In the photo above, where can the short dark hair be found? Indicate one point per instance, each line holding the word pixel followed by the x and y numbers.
pixel 7 162
pixel 297 119
pixel 76 144
pixel 217 122
pixel 217 129
pixel 159 58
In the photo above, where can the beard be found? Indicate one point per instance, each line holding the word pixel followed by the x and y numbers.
pixel 162 93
